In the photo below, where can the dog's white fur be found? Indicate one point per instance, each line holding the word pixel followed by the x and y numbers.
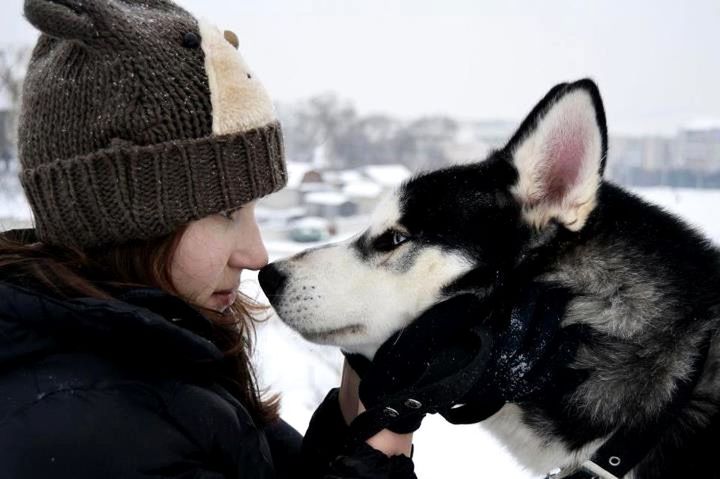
pixel 534 452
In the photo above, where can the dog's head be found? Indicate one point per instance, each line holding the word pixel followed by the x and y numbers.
pixel 452 230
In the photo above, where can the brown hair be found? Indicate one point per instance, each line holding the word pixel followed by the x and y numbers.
pixel 72 272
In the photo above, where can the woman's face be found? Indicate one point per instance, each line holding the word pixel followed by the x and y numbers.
pixel 211 255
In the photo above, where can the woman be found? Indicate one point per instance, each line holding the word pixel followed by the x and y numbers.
pixel 124 345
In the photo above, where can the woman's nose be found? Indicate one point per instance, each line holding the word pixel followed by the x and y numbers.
pixel 250 252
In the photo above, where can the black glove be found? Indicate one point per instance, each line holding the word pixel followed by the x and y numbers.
pixel 366 462
pixel 422 368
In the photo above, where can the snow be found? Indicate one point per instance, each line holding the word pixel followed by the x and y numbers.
pixel 296 171
pixel 699 208
pixel 5 103
pixel 387 175
pixel 14 209
pixel 332 198
pixel 362 189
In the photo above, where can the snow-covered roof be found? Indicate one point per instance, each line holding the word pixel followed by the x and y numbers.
pixel 296 171
pixel 362 189
pixel 387 175
pixel 326 198
pixel 348 176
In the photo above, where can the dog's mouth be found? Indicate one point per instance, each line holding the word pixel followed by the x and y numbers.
pixel 325 334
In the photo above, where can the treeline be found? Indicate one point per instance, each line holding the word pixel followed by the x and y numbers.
pixel 327 128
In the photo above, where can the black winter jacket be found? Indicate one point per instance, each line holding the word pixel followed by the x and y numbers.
pixel 129 389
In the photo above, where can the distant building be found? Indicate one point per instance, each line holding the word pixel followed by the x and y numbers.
pixel 301 178
pixel 640 160
pixel 699 147
pixel 329 204
pixel 363 193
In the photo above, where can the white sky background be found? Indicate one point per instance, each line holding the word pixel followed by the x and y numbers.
pixel 657 62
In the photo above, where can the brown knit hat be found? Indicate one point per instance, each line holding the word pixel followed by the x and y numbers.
pixel 136 119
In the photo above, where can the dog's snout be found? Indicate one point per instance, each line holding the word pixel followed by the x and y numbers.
pixel 272 280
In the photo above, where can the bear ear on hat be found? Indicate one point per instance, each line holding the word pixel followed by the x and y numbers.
pixel 66 19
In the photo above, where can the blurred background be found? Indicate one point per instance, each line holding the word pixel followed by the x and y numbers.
pixel 370 92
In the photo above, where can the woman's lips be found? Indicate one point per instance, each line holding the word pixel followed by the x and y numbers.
pixel 225 297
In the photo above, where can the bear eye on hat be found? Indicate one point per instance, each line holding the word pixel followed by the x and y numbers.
pixel 191 40
pixel 138 118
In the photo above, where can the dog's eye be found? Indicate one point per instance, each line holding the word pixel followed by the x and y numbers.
pixel 389 240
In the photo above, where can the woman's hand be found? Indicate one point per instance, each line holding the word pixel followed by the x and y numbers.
pixel 348 394
pixel 391 443
pixel 386 441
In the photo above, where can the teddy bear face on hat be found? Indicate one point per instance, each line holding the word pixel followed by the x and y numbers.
pixel 115 87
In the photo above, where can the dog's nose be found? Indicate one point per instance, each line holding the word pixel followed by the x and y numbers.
pixel 272 280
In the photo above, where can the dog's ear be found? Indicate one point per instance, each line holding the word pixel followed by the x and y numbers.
pixel 559 153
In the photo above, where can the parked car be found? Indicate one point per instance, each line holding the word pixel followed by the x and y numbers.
pixel 309 229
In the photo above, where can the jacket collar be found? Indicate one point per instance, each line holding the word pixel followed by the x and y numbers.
pixel 139 323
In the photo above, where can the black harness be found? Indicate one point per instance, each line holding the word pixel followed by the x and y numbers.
pixel 628 446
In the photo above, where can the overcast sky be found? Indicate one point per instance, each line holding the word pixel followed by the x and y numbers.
pixel 657 62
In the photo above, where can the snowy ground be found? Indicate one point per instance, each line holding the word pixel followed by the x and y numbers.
pixel 303 372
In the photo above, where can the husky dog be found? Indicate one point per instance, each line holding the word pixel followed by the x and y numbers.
pixel 646 284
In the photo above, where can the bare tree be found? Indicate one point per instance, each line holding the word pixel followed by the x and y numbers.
pixel 13 66
pixel 321 120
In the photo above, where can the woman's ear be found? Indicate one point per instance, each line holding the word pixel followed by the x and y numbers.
pixel 66 19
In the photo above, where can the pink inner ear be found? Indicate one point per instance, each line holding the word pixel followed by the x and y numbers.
pixel 566 153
